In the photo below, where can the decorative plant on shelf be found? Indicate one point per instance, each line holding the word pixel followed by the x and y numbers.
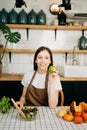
pixel 12 37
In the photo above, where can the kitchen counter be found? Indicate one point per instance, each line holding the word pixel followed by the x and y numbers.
pixel 46 120
pixel 18 77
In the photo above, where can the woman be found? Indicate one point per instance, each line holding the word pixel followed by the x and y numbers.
pixel 40 86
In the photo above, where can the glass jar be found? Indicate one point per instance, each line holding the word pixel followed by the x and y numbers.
pixel 3 16
pixel 13 17
pixel 41 18
pixel 32 17
pixel 82 42
pixel 22 17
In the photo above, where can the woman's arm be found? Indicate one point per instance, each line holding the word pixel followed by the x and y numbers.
pixel 52 92
pixel 21 102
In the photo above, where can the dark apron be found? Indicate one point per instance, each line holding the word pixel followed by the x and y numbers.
pixel 35 96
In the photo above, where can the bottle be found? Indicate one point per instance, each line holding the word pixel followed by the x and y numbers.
pixel 32 17
pixel 3 16
pixel 13 17
pixel 62 18
pixel 82 42
pixel 22 17
pixel 41 18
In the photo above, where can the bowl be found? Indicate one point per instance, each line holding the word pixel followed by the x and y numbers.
pixel 30 112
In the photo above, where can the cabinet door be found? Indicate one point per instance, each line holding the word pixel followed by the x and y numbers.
pixel 11 89
pixel 80 89
pixel 68 88
pixel 74 91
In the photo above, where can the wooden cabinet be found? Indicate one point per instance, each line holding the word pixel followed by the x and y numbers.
pixel 11 89
pixel 75 91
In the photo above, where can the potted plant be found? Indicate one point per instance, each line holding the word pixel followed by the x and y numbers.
pixel 12 37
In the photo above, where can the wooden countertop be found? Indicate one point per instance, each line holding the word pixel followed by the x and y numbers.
pixel 18 77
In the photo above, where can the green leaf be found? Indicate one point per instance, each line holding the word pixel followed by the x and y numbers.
pixel 5 29
pixel 5 105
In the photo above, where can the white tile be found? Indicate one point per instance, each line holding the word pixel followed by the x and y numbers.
pixel 41 35
pixel 21 58
pixel 23 33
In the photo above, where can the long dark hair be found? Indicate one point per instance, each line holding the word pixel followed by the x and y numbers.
pixel 42 48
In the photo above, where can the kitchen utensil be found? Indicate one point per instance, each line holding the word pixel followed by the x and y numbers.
pixel 18 108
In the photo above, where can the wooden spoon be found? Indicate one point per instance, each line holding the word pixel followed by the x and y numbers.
pixel 18 108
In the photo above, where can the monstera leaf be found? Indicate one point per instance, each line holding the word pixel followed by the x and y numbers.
pixel 12 37
pixel 5 29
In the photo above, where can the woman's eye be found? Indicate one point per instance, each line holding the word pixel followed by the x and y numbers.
pixel 47 58
pixel 39 57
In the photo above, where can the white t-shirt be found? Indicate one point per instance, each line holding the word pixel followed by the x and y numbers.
pixel 39 81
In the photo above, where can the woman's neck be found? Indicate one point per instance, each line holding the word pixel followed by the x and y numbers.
pixel 41 71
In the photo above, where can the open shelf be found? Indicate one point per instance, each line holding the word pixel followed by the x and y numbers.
pixel 33 50
pixel 48 27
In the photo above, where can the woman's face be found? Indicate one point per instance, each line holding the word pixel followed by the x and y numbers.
pixel 43 60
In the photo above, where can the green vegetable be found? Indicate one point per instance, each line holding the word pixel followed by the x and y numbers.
pixel 30 112
pixel 5 105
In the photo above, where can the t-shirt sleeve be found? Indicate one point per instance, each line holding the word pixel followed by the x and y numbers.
pixel 26 79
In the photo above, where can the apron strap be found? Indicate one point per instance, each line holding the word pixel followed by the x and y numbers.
pixel 32 77
pixel 46 80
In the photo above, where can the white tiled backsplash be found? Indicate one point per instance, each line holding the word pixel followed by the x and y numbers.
pixel 23 62
pixel 65 39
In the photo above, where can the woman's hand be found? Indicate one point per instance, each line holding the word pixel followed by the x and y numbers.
pixel 20 104
pixel 52 77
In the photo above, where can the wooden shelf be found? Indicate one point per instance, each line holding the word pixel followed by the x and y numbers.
pixel 48 27
pixel 33 51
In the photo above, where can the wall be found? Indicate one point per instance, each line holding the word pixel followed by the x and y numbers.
pixel 21 63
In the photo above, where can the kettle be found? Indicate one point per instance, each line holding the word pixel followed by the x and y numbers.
pixel 82 44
